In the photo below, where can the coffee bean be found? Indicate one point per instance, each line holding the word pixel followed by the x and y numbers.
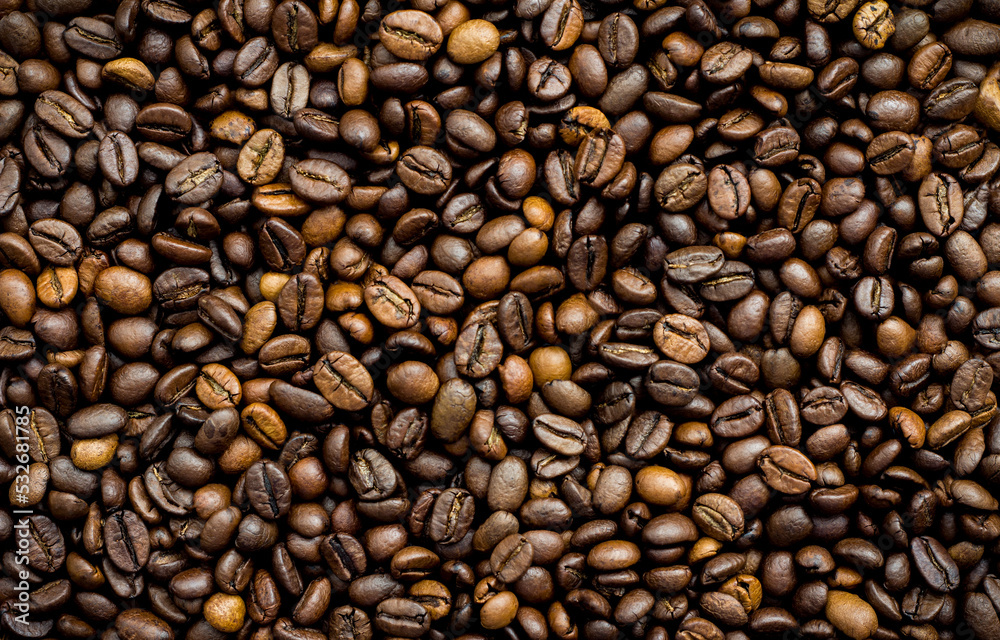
pixel 118 159
pixel 123 289
pixel 64 113
pixel 163 122
pixel 264 425
pixel 319 181
pixel 343 381
pixel 451 516
pixel 672 384
pixel 850 614
pixel 96 421
pixel 372 475
pixel 196 179
pixel 132 624
pixel 662 486
pixel 268 489
pixel 680 187
pixel 92 38
pixel 939 199
pixel 725 62
pixel 618 39
pixel 256 61
pixel 798 204
pixel 412 35
pixel 300 303
pixel 473 41
pixel 562 435
pixel 599 157
pixel 261 157
pixel 392 302
pixel 127 541
pixel 786 469
pixel 424 170
pixel 647 435
pixel 719 516
pixel 873 24
pixel 402 617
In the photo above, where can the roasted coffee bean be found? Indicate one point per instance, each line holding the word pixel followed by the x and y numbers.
pixel 424 170
pixel 92 37
pixel 680 187
pixel 220 316
pixel 64 113
pixel 97 420
pixel 718 516
pixel 402 617
pixel 127 541
pixel 412 35
pixel 343 381
pixel 392 302
pixel 672 384
pixel 940 202
pixel 511 558
pixel 118 159
pixel 693 264
pixel 478 350
pixel 681 338
pixel 196 179
pixel 268 489
pixel 55 241
pixel 300 302
pixel 786 469
pixel 256 61
pixel 319 181
pixel 372 475
pixel 163 122
pixel 560 434
pixel 451 516
pixel 138 623
pixel 798 204
pixel 261 157
pixel 934 564
pixel 890 152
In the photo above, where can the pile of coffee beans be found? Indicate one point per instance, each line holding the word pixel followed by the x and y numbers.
pixel 513 320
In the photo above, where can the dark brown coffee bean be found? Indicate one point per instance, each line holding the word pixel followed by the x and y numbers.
pixel 343 381
pixel 268 489
pixel 718 516
pixel 402 617
pixel 64 113
pixel 680 187
pixel 92 37
pixel 195 179
pixel 424 170
pixel 56 241
pixel 319 181
pixel 118 159
pixel 127 541
pixel 256 61
pixel 890 152
pixel 560 434
pixel 737 417
pixel 786 469
pixel 934 564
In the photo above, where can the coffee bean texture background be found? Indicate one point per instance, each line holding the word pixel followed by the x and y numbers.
pixel 499 319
